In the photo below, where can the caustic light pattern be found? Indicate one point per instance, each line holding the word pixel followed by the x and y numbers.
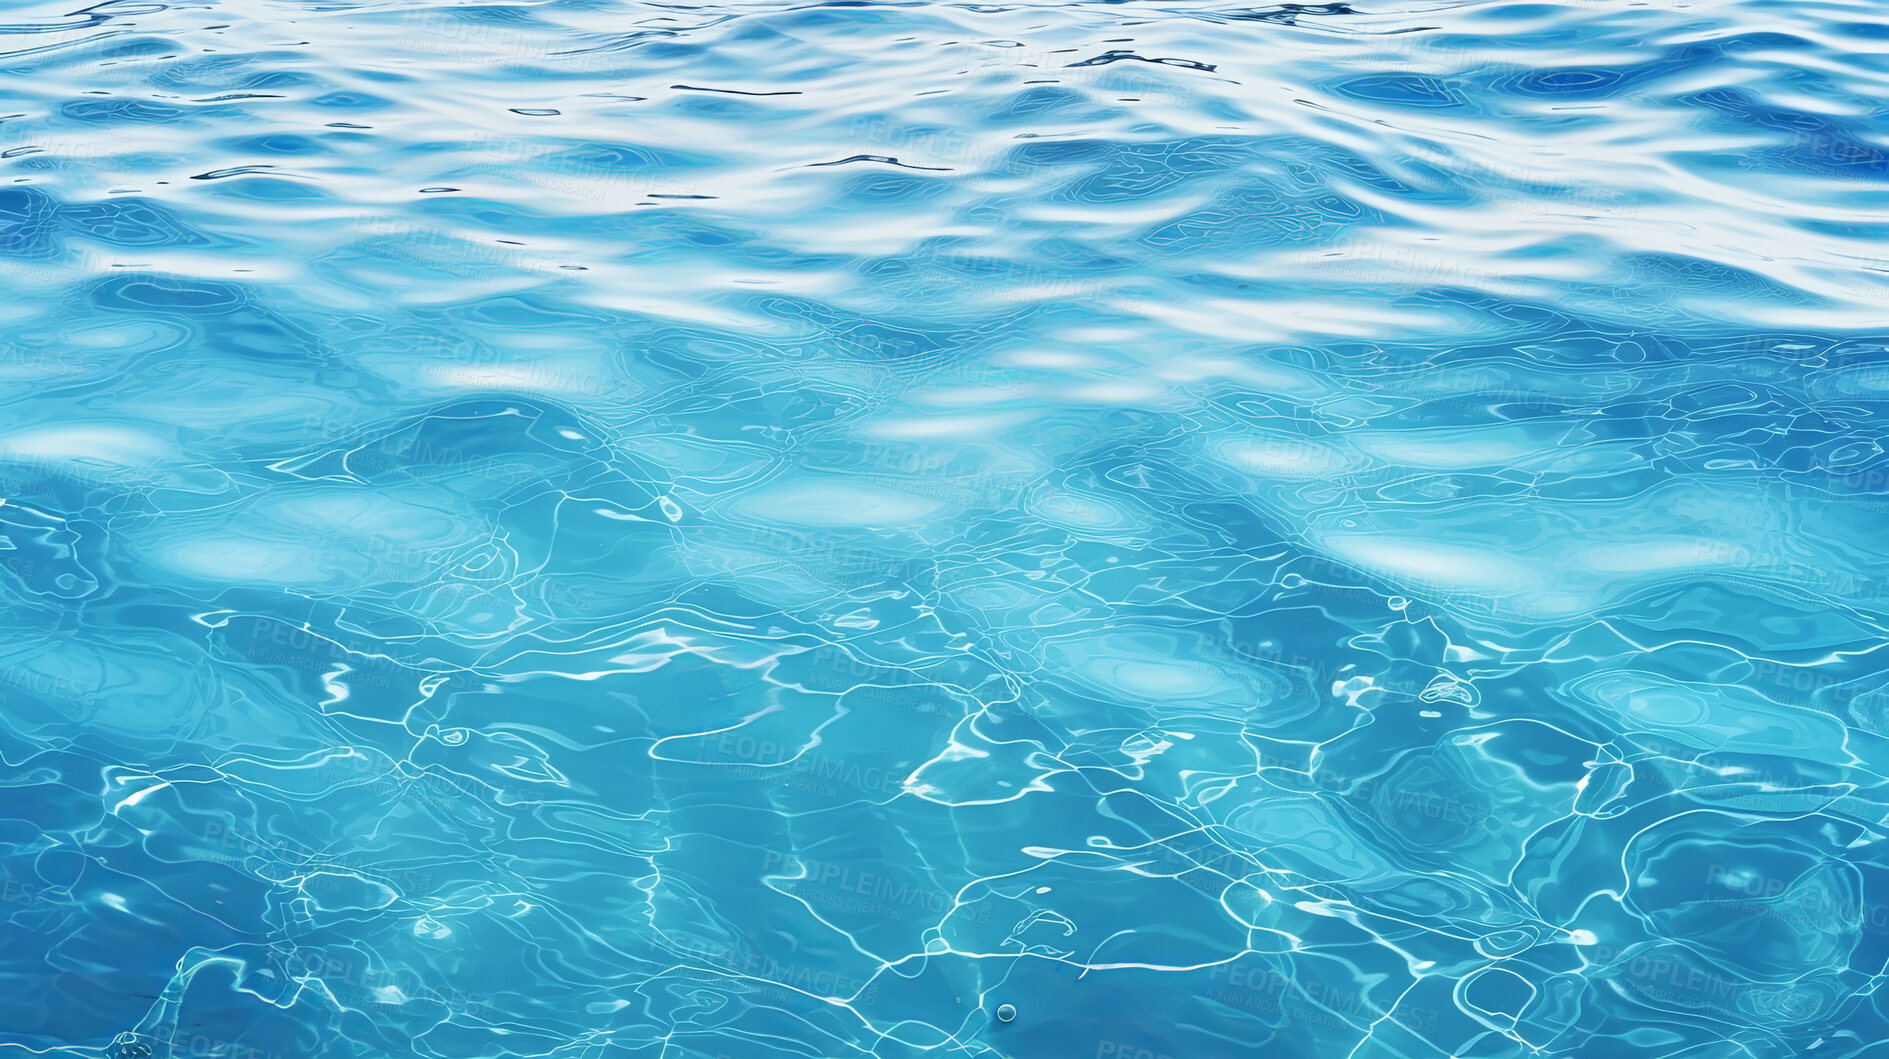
pixel 1020 530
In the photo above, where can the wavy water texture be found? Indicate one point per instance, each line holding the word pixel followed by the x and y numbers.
pixel 742 530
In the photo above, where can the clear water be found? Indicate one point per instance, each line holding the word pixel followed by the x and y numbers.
pixel 647 530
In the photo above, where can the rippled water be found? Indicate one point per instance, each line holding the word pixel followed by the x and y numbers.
pixel 591 529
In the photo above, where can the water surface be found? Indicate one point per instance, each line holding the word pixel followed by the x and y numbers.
pixel 592 529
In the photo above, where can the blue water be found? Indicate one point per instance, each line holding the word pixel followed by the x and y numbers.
pixel 586 530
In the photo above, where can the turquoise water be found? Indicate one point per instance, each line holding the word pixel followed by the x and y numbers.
pixel 590 530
